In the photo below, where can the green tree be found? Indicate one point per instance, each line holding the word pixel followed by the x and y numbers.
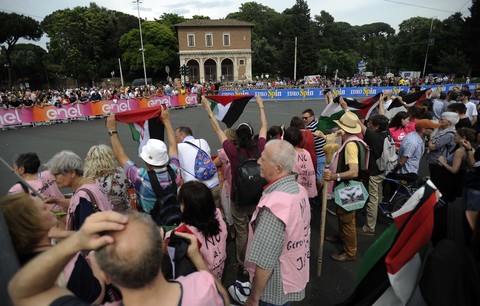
pixel 471 45
pixel 29 62
pixel 84 40
pixel 344 61
pixel 170 19
pixel 375 46
pixel 160 46
pixel 13 27
pixel 299 24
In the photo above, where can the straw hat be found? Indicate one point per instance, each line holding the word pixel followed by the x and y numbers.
pixel 155 153
pixel 349 123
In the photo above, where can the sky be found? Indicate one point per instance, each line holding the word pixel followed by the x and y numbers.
pixel 355 12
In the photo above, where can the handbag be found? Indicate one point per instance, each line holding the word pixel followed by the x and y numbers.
pixel 351 195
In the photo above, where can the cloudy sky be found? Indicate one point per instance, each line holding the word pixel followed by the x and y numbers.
pixel 355 12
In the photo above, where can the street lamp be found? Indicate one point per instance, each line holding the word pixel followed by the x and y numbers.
pixel 141 41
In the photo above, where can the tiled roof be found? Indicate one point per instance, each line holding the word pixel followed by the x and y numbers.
pixel 214 23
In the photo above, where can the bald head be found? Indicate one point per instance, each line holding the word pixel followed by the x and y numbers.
pixel 133 261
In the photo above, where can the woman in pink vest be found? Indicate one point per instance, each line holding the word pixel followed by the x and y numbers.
pixel 26 165
pixel 398 128
pixel 88 196
pixel 204 220
pixel 306 174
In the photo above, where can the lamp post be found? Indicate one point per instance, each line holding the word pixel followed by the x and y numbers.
pixel 141 42
pixel 429 43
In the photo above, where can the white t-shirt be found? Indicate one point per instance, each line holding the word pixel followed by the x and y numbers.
pixel 471 110
pixel 187 154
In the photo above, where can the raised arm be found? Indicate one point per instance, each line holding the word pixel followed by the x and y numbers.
pixel 117 147
pixel 381 107
pixel 216 127
pixel 263 118
pixel 35 284
pixel 172 143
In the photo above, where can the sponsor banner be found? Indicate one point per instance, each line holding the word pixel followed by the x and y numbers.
pixel 16 116
pixel 317 93
pixel 68 111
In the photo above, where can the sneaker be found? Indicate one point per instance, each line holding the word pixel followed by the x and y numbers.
pixel 362 231
pixel 240 291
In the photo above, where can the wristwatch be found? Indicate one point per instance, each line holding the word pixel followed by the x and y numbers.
pixel 338 177
pixel 110 133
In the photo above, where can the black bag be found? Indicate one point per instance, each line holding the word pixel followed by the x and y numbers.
pixel 248 184
pixel 166 210
pixel 177 263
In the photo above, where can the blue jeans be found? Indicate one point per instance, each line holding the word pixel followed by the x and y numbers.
pixel 320 166
pixel 262 303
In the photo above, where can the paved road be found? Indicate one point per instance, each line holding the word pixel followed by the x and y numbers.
pixel 337 279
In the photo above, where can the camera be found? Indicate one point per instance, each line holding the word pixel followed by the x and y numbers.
pixel 325 91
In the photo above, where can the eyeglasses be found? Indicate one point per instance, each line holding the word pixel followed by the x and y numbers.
pixel 305 118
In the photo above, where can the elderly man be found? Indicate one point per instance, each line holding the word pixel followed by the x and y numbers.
pixel 161 166
pixel 129 254
pixel 188 147
pixel 278 248
pixel 441 143
pixel 411 151
pixel 346 165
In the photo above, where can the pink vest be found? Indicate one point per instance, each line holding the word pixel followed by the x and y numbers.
pixel 214 249
pixel 294 211
pixel 307 176
pixel 227 169
pixel 46 186
pixel 334 164
pixel 98 192
pixel 199 289
pixel 398 135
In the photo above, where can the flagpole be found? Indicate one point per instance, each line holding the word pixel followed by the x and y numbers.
pixel 33 190
pixel 295 63
pixel 329 149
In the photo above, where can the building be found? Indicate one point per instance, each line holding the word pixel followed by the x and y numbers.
pixel 216 50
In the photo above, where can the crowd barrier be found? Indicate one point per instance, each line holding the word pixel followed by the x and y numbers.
pixel 317 93
pixel 79 111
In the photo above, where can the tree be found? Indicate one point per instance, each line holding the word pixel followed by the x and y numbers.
pixel 13 27
pixel 170 19
pixel 29 61
pixel 323 20
pixel 84 40
pixel 471 45
pixel 160 46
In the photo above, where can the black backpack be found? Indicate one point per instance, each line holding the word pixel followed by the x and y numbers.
pixel 166 210
pixel 248 184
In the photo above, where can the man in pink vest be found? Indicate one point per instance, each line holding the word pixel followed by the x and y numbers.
pixel 278 247
pixel 129 254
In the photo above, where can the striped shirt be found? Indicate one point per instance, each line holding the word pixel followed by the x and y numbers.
pixel 319 141
pixel 141 182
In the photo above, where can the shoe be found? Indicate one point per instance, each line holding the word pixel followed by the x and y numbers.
pixel 343 257
pixel 362 231
pixel 240 291
pixel 333 239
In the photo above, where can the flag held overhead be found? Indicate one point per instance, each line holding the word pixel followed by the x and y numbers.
pixel 228 108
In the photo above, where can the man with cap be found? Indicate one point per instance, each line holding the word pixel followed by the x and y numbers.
pixel 346 165
pixel 154 153
pixel 472 112
pixel 441 143
pixel 411 151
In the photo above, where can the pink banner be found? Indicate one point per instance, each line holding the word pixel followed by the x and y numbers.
pixel 16 116
pixel 74 111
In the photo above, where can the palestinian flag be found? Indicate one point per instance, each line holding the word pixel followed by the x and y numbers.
pixel 411 99
pixel 145 123
pixel 390 268
pixel 228 108
pixel 334 111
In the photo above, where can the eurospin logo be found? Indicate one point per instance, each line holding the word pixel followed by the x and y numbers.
pixel 396 90
pixel 337 92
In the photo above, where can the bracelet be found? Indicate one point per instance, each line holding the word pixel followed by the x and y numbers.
pixel 210 116
pixel 469 150
pixel 261 107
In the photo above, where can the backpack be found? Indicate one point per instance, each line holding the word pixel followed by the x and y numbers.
pixel 204 167
pixel 166 210
pixel 247 183
pixel 389 158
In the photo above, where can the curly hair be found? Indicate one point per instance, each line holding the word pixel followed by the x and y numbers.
pixel 99 161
